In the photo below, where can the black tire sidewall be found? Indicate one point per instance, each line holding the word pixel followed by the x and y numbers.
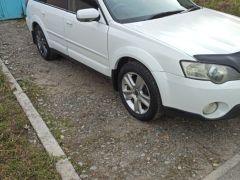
pixel 155 102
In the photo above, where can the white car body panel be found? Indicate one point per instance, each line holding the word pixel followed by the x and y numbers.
pixel 203 31
pixel 158 44
pixel 51 21
pixel 124 42
pixel 183 93
pixel 54 23
pixel 90 51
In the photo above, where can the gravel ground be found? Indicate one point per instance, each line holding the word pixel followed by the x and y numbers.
pixel 103 139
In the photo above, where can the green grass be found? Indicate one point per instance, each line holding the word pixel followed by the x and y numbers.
pixel 36 93
pixel 228 6
pixel 55 124
pixel 19 159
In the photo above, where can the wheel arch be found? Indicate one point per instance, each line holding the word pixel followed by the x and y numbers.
pixel 34 24
pixel 36 21
pixel 132 54
pixel 117 68
pixel 140 69
pixel 120 63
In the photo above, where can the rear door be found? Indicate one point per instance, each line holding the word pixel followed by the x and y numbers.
pixel 87 41
pixel 52 15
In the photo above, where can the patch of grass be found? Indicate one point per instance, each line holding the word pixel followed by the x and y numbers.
pixel 34 92
pixel 228 6
pixel 19 159
pixel 38 96
pixel 55 125
pixel 81 169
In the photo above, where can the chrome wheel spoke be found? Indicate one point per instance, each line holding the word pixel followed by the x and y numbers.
pixel 137 106
pixel 41 43
pixel 136 93
pixel 144 99
pixel 128 94
pixel 129 81
pixel 139 83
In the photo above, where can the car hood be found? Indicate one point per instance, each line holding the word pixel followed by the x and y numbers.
pixel 202 31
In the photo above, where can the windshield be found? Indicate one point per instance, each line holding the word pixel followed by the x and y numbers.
pixel 126 11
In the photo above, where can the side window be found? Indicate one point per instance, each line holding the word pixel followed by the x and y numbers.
pixel 75 5
pixel 43 1
pixel 58 3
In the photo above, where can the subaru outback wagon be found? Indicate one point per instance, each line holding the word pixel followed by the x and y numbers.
pixel 160 54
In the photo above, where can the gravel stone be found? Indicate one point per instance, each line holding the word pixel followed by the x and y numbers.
pixel 102 132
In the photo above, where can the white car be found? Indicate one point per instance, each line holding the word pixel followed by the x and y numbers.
pixel 160 54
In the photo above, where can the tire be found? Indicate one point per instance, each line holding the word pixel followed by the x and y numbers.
pixel 46 52
pixel 139 92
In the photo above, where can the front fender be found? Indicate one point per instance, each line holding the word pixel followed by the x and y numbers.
pixel 136 53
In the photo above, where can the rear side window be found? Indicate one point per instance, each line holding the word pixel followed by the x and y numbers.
pixel 57 3
pixel 43 1
pixel 75 5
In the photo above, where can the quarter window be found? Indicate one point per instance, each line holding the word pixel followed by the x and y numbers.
pixel 75 5
pixel 58 3
pixel 43 1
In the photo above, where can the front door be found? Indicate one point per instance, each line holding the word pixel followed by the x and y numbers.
pixel 87 41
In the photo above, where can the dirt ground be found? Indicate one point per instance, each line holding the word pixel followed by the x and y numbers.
pixel 102 138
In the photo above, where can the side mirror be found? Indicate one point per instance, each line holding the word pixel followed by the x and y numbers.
pixel 88 15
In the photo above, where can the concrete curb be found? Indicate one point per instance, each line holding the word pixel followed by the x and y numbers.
pixel 63 166
pixel 224 169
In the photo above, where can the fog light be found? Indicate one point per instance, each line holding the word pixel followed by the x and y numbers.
pixel 211 108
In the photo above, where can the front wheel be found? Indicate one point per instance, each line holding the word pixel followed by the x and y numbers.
pixel 139 92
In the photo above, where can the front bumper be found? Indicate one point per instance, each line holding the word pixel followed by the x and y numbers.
pixel 193 96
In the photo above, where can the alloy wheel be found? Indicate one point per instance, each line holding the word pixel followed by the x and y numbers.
pixel 136 93
pixel 41 43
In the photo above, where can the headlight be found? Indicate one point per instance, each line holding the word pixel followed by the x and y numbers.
pixel 218 74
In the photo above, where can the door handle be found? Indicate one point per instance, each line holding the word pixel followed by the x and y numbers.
pixel 69 23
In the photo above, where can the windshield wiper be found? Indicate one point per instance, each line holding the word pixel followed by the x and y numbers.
pixel 193 8
pixel 165 14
